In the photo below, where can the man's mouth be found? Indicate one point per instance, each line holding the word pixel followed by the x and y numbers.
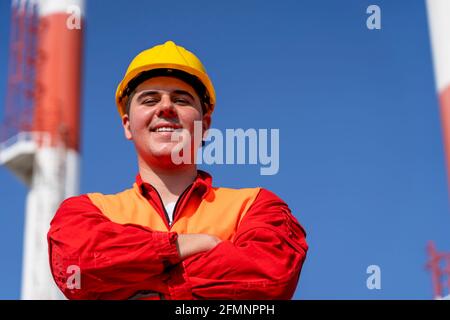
pixel 165 128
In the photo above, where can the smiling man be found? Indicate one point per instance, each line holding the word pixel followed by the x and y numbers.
pixel 173 235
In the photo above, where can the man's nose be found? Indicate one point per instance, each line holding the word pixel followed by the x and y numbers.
pixel 166 107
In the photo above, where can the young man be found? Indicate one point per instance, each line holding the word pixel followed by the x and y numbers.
pixel 173 235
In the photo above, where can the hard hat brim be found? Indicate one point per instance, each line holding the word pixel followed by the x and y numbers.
pixel 121 97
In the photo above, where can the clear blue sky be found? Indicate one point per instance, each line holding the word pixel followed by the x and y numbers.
pixel 362 164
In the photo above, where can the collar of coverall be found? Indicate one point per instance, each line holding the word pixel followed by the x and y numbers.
pixel 201 185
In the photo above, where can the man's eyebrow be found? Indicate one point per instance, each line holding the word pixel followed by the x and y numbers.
pixel 147 93
pixel 184 92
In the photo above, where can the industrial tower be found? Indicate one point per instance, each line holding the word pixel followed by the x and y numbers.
pixel 439 265
pixel 439 24
pixel 39 137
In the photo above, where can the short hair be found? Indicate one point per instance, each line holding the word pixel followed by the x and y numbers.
pixel 192 80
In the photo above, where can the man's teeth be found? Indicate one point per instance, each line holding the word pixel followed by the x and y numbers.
pixel 165 129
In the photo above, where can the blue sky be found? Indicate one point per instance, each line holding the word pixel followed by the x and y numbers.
pixel 361 158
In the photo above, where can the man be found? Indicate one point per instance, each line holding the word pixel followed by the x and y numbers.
pixel 173 235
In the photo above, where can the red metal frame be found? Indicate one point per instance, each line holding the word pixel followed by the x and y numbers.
pixel 20 93
pixel 439 266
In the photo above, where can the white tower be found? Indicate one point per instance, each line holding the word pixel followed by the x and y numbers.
pixel 42 121
pixel 439 25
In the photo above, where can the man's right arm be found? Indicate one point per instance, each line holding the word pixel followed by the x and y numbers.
pixel 115 261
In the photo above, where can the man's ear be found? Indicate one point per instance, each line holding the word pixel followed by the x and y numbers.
pixel 206 124
pixel 126 127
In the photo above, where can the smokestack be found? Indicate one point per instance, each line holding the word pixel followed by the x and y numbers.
pixel 439 25
pixel 56 128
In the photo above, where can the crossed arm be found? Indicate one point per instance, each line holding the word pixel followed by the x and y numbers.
pixel 189 244
pixel 263 261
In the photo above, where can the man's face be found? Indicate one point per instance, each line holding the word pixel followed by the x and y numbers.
pixel 160 106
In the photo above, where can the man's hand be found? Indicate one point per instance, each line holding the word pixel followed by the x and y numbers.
pixel 189 244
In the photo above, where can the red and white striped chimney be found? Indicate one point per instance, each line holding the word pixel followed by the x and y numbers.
pixel 439 24
pixel 56 124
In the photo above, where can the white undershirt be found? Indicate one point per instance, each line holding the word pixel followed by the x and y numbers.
pixel 169 209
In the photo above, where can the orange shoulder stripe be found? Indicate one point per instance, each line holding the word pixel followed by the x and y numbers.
pixel 219 213
pixel 128 206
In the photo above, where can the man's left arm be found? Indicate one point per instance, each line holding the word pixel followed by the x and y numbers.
pixel 263 261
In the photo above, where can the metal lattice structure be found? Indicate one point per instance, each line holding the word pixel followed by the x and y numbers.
pixel 21 69
pixel 439 26
pixel 439 266
pixel 39 135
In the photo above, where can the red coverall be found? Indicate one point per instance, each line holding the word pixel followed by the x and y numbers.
pixel 122 261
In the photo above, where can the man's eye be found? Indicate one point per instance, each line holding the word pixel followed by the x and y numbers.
pixel 150 101
pixel 181 101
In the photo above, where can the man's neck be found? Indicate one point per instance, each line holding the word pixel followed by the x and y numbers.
pixel 170 183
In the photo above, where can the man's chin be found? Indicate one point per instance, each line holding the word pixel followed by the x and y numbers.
pixel 165 159
pixel 162 150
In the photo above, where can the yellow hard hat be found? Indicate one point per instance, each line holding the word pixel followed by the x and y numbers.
pixel 164 56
